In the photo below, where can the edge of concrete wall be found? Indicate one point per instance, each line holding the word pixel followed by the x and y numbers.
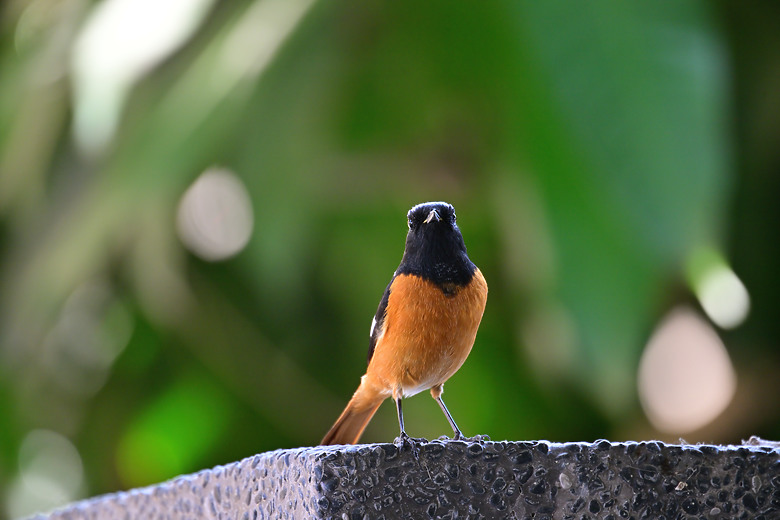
pixel 456 479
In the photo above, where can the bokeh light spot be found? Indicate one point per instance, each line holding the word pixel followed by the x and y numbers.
pixel 119 44
pixel 50 474
pixel 215 217
pixel 724 297
pixel 92 330
pixel 721 293
pixel 686 378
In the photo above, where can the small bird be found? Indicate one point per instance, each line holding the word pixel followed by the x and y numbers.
pixel 425 325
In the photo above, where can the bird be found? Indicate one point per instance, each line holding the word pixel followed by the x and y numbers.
pixel 424 327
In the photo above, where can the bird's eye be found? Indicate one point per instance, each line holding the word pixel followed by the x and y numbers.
pixel 410 222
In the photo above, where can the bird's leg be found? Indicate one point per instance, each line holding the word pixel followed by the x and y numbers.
pixel 456 431
pixel 436 392
pixel 404 438
pixel 400 417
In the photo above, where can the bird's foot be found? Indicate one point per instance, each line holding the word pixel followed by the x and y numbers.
pixel 404 438
pixel 460 437
pixel 413 443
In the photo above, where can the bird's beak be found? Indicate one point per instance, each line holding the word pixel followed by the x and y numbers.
pixel 432 215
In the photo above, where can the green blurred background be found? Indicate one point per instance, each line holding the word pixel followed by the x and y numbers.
pixel 201 202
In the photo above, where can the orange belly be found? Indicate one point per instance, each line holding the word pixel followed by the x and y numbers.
pixel 426 338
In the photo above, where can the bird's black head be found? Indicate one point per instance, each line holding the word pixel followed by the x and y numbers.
pixel 434 246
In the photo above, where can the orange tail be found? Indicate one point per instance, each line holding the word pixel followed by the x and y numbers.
pixel 355 417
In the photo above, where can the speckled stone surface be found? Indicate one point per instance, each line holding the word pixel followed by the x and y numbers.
pixel 455 479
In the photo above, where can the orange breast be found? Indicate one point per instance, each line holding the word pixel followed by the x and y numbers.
pixel 427 334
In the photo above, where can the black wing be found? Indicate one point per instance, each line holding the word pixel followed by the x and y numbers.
pixel 378 325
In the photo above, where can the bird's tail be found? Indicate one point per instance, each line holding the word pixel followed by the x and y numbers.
pixel 356 416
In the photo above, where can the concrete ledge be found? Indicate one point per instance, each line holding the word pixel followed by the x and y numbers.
pixel 454 479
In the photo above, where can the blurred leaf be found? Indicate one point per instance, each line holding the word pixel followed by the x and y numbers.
pixel 625 110
pixel 174 432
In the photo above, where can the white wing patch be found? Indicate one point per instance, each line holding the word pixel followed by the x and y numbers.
pixel 373 326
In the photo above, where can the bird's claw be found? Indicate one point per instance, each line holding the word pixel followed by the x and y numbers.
pixel 413 443
pixel 460 437
pixel 404 438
